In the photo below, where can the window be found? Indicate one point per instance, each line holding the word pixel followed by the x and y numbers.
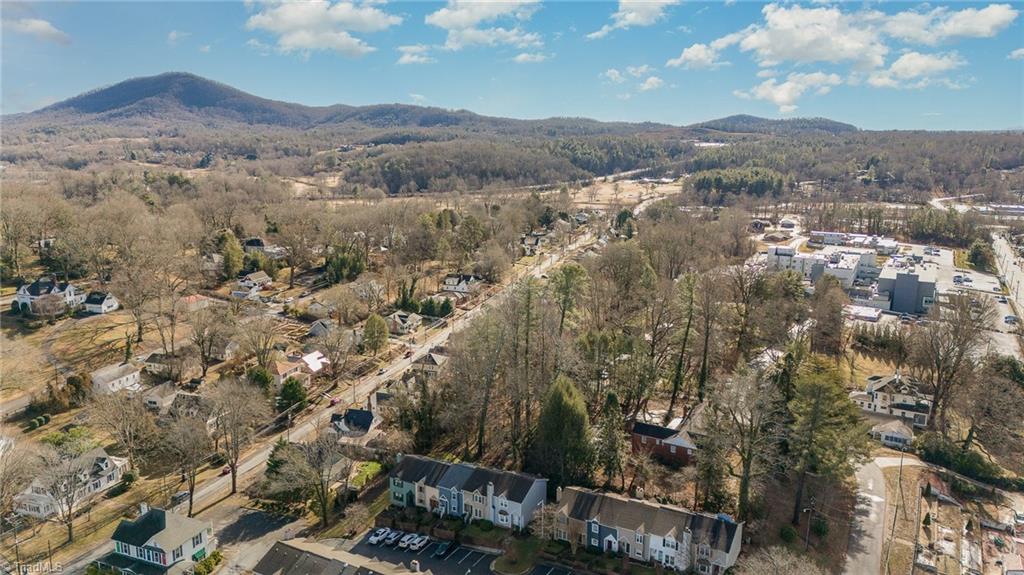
pixel 705 569
pixel 643 439
pixel 396 482
pixel 703 551
pixel 593 541
pixel 639 537
pixel 672 449
pixel 177 553
pixel 197 540
pixel 419 488
pixel 593 527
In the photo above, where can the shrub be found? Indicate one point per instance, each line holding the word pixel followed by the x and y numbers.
pixel 927 519
pixel 32 425
pixel 485 525
pixel 206 566
pixel 787 534
pixel 820 527
pixel 218 459
pixel 128 478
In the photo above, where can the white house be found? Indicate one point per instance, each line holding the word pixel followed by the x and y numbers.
pixel 403 322
pixel 255 279
pixel 895 434
pixel 430 364
pixel 896 395
pixel 158 542
pixel 28 294
pixel 462 283
pixel 250 293
pixel 97 473
pixel 282 370
pixel 100 302
pixel 115 378
pixel 159 398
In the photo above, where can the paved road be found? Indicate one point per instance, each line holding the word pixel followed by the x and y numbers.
pixel 864 554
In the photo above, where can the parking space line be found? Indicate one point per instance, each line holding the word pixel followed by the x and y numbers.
pixel 464 558
pixel 427 546
pixel 452 556
pixel 480 559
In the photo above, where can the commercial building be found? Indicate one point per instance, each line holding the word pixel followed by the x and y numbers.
pixel 910 286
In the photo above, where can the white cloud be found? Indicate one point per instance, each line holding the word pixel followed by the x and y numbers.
pixel 1017 54
pixel 465 21
pixel 415 54
pixel 205 48
pixel 652 83
pixel 260 47
pixel 916 70
pixel 41 29
pixel 316 25
pixel 634 13
pixel 695 57
pixel 175 36
pixel 786 94
pixel 529 57
pixel 613 75
pixel 826 34
pixel 418 98
pixel 638 71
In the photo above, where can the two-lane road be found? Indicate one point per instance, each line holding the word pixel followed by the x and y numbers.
pixel 864 553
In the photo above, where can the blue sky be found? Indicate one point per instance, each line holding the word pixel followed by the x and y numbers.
pixel 877 65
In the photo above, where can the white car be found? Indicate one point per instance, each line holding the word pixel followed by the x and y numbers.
pixel 408 539
pixel 379 535
pixel 420 542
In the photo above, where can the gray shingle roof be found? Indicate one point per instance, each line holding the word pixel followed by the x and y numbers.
pixel 167 530
pixel 508 484
pixel 110 373
pixel 614 510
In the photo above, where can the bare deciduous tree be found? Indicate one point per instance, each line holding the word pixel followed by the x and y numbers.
pixel 319 468
pixel 125 418
pixel 187 444
pixel 240 411
pixel 18 466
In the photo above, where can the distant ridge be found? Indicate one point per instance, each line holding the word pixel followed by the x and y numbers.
pixel 183 98
pixel 742 123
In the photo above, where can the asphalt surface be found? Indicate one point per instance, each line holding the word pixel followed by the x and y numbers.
pixel 463 561
pixel 864 553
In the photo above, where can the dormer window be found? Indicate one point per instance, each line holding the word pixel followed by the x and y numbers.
pixel 593 527
pixel 639 537
pixel 703 551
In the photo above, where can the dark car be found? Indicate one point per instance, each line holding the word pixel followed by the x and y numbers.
pixel 445 549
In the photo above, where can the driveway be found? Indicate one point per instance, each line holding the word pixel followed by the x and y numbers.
pixel 463 561
pixel 864 553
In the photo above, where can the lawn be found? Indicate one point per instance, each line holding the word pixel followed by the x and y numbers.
pixel 365 472
pixel 520 556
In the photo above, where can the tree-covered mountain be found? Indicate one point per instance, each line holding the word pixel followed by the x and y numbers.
pixel 743 123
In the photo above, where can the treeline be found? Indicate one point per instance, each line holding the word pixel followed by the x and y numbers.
pixel 712 186
pixel 917 223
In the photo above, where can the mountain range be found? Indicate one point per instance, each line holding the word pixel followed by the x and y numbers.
pixel 181 98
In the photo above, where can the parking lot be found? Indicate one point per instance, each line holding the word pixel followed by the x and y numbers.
pixel 463 561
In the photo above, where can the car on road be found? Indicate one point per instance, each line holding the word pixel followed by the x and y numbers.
pixel 408 538
pixel 1002 299
pixel 305 293
pixel 393 538
pixel 380 371
pixel 379 535
pixel 445 549
pixel 408 354
pixel 967 279
pixel 1010 319
pixel 179 497
pixel 996 289
pixel 225 471
pixel 419 543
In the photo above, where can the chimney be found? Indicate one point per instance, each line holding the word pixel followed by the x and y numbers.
pixel 639 492
pixel 143 508
pixel 558 494
pixel 414 566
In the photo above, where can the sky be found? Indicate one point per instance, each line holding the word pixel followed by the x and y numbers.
pixel 878 65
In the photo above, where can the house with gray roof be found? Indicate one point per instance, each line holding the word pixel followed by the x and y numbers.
pixel 669 535
pixel 159 542
pixel 506 498
pixel 114 378
pixel 95 472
